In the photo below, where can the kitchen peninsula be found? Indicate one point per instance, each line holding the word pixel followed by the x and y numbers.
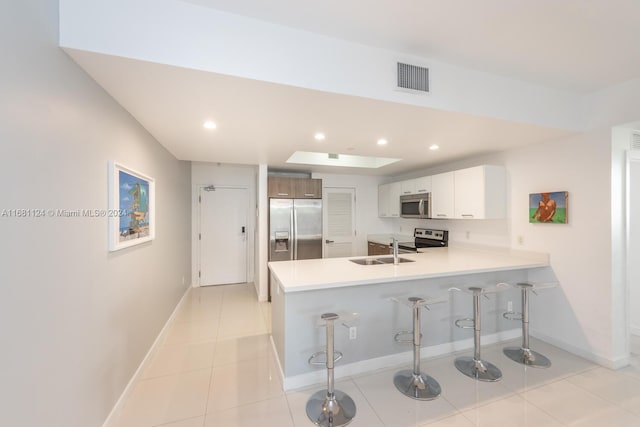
pixel 362 295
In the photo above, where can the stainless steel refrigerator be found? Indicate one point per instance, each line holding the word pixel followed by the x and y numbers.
pixel 295 229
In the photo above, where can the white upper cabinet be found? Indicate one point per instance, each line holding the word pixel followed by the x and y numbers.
pixel 389 200
pixel 473 193
pixel 407 187
pixel 422 185
pixel 383 200
pixel 394 199
pixel 442 196
pixel 415 186
pixel 480 192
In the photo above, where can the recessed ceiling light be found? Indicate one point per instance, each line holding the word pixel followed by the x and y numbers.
pixel 209 125
pixel 434 147
pixel 382 141
pixel 319 136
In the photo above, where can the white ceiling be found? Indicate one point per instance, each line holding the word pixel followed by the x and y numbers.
pixel 574 45
pixel 260 122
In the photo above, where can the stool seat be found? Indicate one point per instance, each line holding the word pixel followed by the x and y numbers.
pixel 412 382
pixel 330 407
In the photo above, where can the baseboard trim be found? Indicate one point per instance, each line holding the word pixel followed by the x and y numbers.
pixel 618 363
pixel 369 365
pixel 275 352
pixel 145 361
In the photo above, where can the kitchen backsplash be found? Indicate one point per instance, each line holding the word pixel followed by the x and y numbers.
pixel 481 232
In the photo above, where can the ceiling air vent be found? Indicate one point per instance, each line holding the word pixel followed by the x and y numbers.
pixel 413 77
pixel 635 141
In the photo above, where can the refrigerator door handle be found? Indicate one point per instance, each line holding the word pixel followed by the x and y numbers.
pixel 294 218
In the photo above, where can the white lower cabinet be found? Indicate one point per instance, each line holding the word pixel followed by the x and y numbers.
pixel 480 192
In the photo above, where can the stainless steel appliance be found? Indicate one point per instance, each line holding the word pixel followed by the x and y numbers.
pixel 425 238
pixel 415 206
pixel 295 229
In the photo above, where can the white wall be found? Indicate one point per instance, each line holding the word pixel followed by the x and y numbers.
pixel 75 319
pixel 580 319
pixel 204 174
pixel 367 221
pixel 634 245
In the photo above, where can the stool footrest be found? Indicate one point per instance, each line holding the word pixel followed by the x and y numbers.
pixel 337 355
pixel 470 323
pixel 397 336
pixel 512 315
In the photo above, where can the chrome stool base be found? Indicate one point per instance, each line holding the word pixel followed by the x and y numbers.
pixel 527 357
pixel 331 411
pixel 419 387
pixel 478 369
pixel 524 354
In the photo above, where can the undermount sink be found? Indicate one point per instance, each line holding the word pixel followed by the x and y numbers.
pixel 379 261
pixel 389 260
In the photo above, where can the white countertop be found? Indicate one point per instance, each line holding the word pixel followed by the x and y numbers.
pixel 326 273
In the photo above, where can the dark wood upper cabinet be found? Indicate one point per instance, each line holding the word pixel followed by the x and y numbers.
pixel 281 187
pixel 294 188
pixel 308 188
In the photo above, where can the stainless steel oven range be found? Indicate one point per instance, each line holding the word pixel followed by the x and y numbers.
pixel 425 238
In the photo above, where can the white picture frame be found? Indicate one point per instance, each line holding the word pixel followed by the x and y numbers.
pixel 131 207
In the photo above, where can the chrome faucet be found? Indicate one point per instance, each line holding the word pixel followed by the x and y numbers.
pixel 395 251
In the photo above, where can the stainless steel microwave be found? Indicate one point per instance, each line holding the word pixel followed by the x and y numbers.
pixel 415 206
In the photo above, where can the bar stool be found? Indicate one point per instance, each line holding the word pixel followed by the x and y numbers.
pixel 414 383
pixel 330 407
pixel 475 367
pixel 524 354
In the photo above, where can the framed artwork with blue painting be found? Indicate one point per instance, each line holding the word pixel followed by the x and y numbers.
pixel 131 207
pixel 549 208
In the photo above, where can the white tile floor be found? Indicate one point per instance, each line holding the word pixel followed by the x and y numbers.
pixel 216 368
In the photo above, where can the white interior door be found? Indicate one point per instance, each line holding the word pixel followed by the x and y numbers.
pixel 339 221
pixel 223 236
